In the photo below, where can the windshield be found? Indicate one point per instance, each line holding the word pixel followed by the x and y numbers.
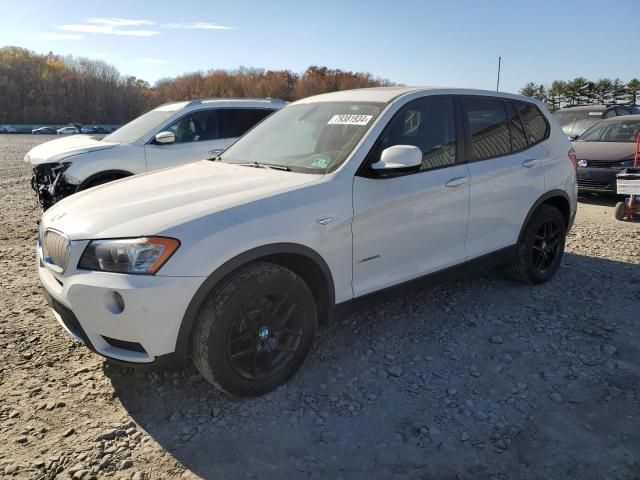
pixel 613 132
pixel 575 122
pixel 140 126
pixel 314 137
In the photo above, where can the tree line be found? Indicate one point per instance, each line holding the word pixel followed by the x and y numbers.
pixel 582 91
pixel 36 88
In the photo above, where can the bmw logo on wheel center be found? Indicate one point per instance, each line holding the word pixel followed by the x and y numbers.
pixel 582 163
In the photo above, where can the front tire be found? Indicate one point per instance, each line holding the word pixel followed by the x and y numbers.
pixel 541 247
pixel 254 330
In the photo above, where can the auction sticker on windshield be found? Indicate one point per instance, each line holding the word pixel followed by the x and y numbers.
pixel 349 119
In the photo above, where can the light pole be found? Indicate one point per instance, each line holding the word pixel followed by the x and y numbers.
pixel 498 84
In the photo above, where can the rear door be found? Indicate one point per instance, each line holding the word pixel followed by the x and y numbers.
pixel 506 155
pixel 237 121
pixel 410 224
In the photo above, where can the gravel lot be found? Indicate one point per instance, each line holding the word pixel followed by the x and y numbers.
pixel 478 379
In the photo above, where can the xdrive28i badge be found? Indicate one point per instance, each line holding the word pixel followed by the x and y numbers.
pixel 582 163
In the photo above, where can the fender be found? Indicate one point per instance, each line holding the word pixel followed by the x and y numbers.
pixel 543 199
pixel 95 176
pixel 191 314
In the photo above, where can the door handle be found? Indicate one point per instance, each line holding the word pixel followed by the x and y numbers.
pixel 532 162
pixel 216 151
pixel 456 182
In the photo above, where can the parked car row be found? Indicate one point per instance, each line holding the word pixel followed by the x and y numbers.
pixel 232 262
pixel 604 138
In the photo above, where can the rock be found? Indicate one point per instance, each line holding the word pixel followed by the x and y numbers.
pixel 138 476
pixel 329 436
pixel 501 444
pixel 22 439
pixel 496 339
pixel 10 469
pixel 464 437
pixel 109 434
pixel 69 432
pixel 556 397
pixel 125 464
pixel 609 350
pixel 395 371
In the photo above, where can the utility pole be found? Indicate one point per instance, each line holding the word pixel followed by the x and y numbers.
pixel 498 84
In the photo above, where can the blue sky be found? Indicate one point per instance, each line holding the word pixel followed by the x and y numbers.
pixel 454 42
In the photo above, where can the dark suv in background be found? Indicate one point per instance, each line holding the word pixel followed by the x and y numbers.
pixel 576 119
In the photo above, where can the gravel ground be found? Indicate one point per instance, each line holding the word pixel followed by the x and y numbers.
pixel 478 379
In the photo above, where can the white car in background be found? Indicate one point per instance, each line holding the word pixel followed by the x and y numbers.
pixel 169 135
pixel 234 262
pixel 68 131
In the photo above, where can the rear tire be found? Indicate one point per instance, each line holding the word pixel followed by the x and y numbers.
pixel 619 211
pixel 540 248
pixel 254 330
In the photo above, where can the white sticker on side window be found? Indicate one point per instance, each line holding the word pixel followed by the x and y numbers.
pixel 349 119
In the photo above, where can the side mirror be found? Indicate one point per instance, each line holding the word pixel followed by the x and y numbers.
pixel 573 138
pixel 164 138
pixel 398 157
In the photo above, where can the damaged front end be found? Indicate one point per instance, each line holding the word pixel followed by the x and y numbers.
pixel 50 184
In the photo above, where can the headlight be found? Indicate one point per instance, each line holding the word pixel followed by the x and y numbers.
pixel 143 255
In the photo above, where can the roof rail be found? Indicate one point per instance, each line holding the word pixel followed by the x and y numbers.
pixel 198 101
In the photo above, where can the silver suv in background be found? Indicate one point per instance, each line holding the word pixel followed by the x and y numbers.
pixel 168 135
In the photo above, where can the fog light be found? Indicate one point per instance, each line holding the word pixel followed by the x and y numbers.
pixel 114 302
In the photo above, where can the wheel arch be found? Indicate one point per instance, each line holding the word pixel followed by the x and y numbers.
pixel 556 198
pixel 302 260
pixel 86 183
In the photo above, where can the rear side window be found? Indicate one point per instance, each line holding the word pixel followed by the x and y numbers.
pixel 236 121
pixel 518 137
pixel 427 123
pixel 488 127
pixel 535 125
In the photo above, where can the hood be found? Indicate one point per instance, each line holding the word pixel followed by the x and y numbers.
pixel 61 148
pixel 151 203
pixel 609 151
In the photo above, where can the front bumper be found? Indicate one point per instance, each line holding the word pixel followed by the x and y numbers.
pixel 597 179
pixel 146 329
pixel 50 184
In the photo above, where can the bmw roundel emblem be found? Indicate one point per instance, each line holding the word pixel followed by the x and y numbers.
pixel 582 163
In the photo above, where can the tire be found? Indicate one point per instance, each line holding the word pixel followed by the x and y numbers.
pixel 540 248
pixel 254 330
pixel 619 211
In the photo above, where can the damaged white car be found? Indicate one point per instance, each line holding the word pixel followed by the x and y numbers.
pixel 169 135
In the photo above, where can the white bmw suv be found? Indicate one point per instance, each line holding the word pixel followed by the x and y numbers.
pixel 232 263
pixel 168 135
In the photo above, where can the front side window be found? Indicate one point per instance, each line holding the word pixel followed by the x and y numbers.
pixel 197 127
pixel 237 121
pixel 488 127
pixel 313 137
pixel 426 123
pixel 535 125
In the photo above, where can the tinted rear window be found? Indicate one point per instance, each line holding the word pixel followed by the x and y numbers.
pixel 535 125
pixel 237 121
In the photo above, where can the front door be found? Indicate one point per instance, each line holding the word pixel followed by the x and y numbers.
pixel 199 135
pixel 408 225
